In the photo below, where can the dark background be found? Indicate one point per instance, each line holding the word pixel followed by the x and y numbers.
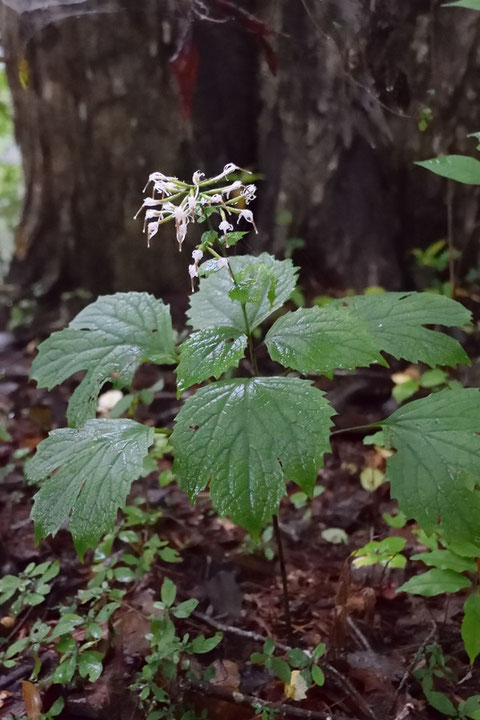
pixel 321 98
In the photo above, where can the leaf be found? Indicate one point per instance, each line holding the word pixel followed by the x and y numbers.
pixel 297 658
pixel 109 339
pixel 461 168
pixel 201 644
pixel 246 438
pixel 471 707
pixel 318 675
pixel 435 582
pixel 296 687
pixel 446 560
pixel 251 284
pixel 351 332
pixel 471 627
pixel 438 454
pixel 32 700
pixel 470 4
pixel 65 625
pixel 90 665
pixel 211 306
pixel 437 700
pixel 168 592
pixel 87 475
pixel 65 671
pixel 207 353
pixel 185 608
pixel 280 668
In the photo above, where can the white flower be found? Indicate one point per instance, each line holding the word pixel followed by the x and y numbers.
pixel 193 272
pixel 221 263
pixel 197 256
pixel 225 226
pixel 249 193
pixel 192 203
pixel 248 215
pixel 217 198
pixel 197 177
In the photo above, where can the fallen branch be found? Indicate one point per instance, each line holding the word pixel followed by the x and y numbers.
pixel 239 698
pixel 340 679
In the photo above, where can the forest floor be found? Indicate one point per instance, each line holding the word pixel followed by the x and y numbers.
pixel 376 638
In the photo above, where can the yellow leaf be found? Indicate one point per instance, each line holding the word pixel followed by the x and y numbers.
pixel 371 479
pixel 297 687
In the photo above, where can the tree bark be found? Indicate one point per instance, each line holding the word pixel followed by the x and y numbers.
pixel 334 133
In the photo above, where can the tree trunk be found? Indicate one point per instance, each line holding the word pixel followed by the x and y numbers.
pixel 334 132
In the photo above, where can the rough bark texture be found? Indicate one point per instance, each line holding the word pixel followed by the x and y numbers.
pixel 334 132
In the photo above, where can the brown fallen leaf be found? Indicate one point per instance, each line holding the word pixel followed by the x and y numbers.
pixel 32 699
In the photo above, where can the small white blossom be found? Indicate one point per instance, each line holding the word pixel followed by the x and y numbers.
pixel 193 272
pixel 221 263
pixel 248 215
pixel 192 203
pixel 197 256
pixel 197 177
pixel 217 198
pixel 249 193
pixel 225 226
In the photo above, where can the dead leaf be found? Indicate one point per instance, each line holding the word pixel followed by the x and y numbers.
pixel 297 687
pixel 227 674
pixel 32 699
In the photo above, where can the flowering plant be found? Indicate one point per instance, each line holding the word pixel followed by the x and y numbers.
pixel 244 437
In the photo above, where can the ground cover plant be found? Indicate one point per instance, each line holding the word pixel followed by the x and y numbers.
pixel 242 438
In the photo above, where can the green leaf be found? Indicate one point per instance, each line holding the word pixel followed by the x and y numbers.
pixel 435 582
pixel 351 332
pixel 471 707
pixel 211 306
pixel 57 707
pixel 209 353
pixel 246 438
pixel 65 671
pixel 433 378
pixel 319 651
pixel 470 4
pixel 436 699
pixel 16 647
pixel 446 560
pixel 185 608
pixel 168 592
pixel 252 283
pixel 281 669
pixel 437 460
pixel 90 665
pixel 471 627
pixel 65 625
pixel 318 675
pixel 297 658
pixel 87 475
pixel 201 644
pixel 109 339
pixel 123 574
pixel 461 168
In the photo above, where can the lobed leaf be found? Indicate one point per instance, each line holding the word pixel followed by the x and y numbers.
pixel 86 475
pixel 246 438
pixel 351 332
pixel 436 464
pixel 461 168
pixel 208 353
pixel 109 339
pixel 211 305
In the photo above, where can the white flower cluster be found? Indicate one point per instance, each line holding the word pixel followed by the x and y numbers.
pixel 192 200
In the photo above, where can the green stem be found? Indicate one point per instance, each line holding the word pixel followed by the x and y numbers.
pixel 371 426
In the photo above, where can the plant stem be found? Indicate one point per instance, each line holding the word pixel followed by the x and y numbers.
pixel 286 599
